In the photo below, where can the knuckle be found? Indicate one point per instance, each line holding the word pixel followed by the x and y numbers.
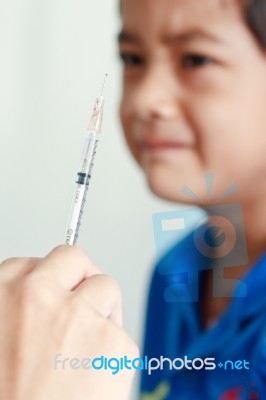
pixel 75 250
pixel 10 261
pixel 76 254
pixel 19 262
pixel 112 285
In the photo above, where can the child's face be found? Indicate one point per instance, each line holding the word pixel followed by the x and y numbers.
pixel 194 98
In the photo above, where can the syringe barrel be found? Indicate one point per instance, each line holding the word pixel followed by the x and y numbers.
pixel 84 174
pixel 82 185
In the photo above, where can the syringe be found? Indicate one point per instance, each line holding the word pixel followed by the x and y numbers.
pixel 84 175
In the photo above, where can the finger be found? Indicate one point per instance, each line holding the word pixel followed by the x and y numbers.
pixel 67 266
pixel 16 268
pixel 102 293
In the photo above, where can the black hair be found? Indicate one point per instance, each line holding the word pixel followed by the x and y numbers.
pixel 256 18
pixel 255 11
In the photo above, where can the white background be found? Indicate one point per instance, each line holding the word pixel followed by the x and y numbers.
pixel 54 55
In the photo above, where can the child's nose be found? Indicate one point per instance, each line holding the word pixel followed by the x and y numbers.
pixel 156 95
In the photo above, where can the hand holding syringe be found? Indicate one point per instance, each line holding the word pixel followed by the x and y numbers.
pixel 85 172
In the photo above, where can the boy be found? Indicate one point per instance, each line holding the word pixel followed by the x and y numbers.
pixel 194 102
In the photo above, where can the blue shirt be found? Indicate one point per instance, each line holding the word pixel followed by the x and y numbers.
pixel 173 330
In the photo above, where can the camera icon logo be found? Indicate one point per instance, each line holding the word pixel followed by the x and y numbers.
pixel 215 233
pixel 215 236
pixel 215 240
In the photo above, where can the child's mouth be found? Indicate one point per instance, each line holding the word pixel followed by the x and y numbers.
pixel 156 145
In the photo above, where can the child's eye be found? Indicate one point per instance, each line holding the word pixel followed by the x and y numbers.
pixel 195 61
pixel 131 60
